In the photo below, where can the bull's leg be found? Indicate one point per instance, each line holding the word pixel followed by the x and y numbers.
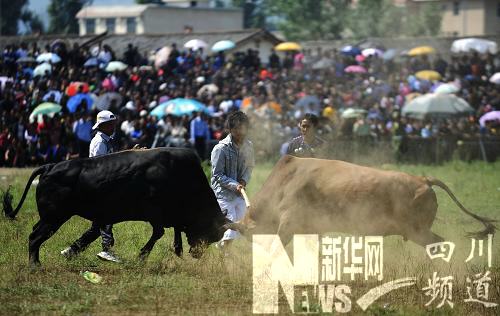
pixel 158 231
pixel 177 244
pixel 424 237
pixel 42 231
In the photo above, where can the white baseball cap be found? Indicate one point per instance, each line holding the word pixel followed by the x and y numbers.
pixel 103 117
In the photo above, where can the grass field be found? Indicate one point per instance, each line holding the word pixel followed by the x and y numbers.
pixel 165 284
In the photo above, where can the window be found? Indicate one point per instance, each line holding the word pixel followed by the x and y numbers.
pixel 110 25
pixel 456 7
pixel 131 25
pixel 90 26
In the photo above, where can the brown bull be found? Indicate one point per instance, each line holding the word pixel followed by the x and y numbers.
pixel 306 195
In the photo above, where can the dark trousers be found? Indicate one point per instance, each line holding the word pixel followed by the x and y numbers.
pixel 83 148
pixel 200 146
pixel 106 233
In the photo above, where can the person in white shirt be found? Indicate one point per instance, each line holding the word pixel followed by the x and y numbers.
pixel 100 145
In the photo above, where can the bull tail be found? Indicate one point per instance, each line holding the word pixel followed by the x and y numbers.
pixel 487 222
pixel 7 196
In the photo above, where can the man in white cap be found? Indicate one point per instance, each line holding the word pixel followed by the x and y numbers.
pixel 100 145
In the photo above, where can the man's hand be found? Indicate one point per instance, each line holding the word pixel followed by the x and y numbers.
pixel 239 188
pixel 243 183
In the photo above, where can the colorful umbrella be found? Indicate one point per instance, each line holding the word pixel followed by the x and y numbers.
pixel 389 54
pixel 223 45
pixel 355 69
pixel 45 108
pixel 42 70
pixel 421 50
pixel 116 66
pixel 209 89
pixel 75 101
pixel 428 75
pixel 479 45
pixel 195 44
pixel 181 106
pixel 26 59
pixel 56 94
pixel 447 88
pixel 48 57
pixel 352 113
pixel 75 87
pixel 436 105
pixel 490 116
pixel 91 62
pixel 287 46
pixel 495 78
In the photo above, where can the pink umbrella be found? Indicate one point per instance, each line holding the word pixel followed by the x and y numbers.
pixel 490 116
pixel 355 69
pixel 360 58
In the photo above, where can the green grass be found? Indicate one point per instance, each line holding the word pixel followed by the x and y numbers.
pixel 165 284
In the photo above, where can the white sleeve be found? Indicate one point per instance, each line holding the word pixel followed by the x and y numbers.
pixel 98 149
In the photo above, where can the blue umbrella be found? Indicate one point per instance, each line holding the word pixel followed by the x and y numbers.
pixel 75 101
pixel 178 107
pixel 91 62
pixel 350 50
pixel 223 45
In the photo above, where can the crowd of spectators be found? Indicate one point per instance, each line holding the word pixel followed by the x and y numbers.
pixel 275 93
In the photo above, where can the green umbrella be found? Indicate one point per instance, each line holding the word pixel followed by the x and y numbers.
pixel 45 108
pixel 436 105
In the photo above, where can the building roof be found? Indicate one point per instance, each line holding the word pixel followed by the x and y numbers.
pixel 109 11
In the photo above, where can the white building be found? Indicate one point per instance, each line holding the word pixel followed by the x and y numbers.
pixel 158 19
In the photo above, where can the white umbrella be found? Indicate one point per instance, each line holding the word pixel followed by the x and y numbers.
pixel 436 105
pixel 372 52
pixel 466 45
pixel 447 88
pixel 352 113
pixel 41 69
pixel 195 44
pixel 209 89
pixel 495 78
pixel 48 57
pixel 161 56
pixel 116 65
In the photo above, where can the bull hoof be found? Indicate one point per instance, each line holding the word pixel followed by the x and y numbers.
pixel 143 256
pixel 178 252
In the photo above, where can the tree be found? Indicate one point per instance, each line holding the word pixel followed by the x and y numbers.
pixel 254 12
pixel 310 19
pixel 32 22
pixel 63 15
pixel 9 16
pixel 426 22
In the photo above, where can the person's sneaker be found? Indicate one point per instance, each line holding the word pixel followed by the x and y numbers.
pixel 108 256
pixel 68 253
pixel 219 245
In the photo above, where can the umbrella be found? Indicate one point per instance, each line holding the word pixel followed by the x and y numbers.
pixel 350 50
pixel 447 88
pixel 75 101
pixel 104 101
pixel 48 57
pixel 372 52
pixel 26 59
pixel 308 103
pixel 352 113
pixel 161 56
pixel 146 68
pixel 4 80
pixel 360 58
pixel 223 45
pixel 91 62
pixel 208 89
pixel 389 54
pixel 195 44
pixel 75 86
pixel 42 69
pixel 355 69
pixel 495 78
pixel 466 45
pixel 490 116
pixel 323 63
pixel 116 65
pixel 421 50
pixel 178 107
pixel 428 75
pixel 57 96
pixel 436 105
pixel 287 46
pixel 45 108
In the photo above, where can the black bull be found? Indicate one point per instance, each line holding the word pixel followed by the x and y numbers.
pixel 165 187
